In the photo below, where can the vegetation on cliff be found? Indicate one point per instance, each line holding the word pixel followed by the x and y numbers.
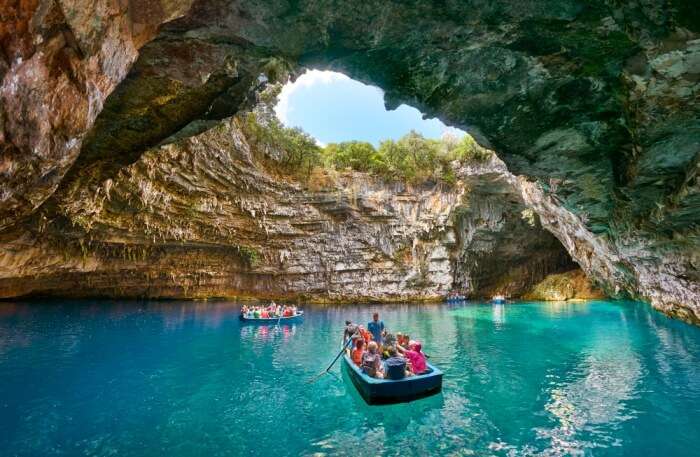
pixel 412 158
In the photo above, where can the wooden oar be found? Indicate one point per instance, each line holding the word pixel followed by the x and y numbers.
pixel 345 346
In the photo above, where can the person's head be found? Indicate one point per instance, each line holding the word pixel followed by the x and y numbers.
pixel 375 317
pixel 372 347
pixel 360 343
pixel 414 345
pixel 391 350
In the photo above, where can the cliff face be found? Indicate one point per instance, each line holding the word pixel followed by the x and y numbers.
pixel 595 103
pixel 210 215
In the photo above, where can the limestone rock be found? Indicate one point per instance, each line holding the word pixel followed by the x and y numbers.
pixel 571 285
pixel 593 104
pixel 211 215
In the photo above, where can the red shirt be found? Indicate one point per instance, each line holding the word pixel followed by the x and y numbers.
pixel 357 355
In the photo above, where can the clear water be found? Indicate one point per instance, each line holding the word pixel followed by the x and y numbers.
pixel 187 379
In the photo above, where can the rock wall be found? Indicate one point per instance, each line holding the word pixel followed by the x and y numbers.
pixel 571 285
pixel 59 60
pixel 595 103
pixel 211 215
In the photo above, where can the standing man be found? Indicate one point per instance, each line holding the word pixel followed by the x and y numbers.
pixel 351 331
pixel 376 328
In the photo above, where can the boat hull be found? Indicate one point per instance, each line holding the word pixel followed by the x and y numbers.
pixel 272 320
pixel 383 391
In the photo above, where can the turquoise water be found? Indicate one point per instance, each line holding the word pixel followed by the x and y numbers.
pixel 187 379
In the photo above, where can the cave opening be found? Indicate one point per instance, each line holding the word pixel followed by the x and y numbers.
pixel 499 246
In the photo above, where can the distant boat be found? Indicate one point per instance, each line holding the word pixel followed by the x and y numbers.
pixel 498 299
pixel 272 320
pixel 383 391
pixel 455 298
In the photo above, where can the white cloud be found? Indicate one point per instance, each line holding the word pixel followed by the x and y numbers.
pixel 309 79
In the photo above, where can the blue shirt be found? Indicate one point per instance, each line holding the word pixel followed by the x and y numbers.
pixel 376 329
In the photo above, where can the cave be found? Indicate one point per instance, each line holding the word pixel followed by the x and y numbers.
pixel 592 108
pixel 186 271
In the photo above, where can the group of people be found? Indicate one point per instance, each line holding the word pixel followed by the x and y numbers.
pixel 381 354
pixel 272 311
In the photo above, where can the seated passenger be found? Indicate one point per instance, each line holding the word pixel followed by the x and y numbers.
pixel 371 362
pixel 264 314
pixel 358 351
pixel 416 357
pixel 389 339
pixel 365 334
pixel 395 365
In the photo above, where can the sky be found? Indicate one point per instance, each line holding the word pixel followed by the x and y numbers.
pixel 331 107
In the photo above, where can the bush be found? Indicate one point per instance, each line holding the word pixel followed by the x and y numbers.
pixel 467 150
pixel 413 158
pixel 295 150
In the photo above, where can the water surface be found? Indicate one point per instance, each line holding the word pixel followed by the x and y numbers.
pixel 188 379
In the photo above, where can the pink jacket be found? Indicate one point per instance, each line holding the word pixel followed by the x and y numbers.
pixel 417 360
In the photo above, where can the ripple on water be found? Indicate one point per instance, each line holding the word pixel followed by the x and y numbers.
pixel 182 379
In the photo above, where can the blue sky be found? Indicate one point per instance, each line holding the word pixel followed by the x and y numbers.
pixel 332 108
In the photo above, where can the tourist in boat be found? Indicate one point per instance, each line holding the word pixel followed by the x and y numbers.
pixel 395 366
pixel 358 352
pixel 376 328
pixel 389 341
pixel 351 331
pixel 371 361
pixel 364 334
pixel 415 357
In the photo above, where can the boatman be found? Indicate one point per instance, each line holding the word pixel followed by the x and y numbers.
pixel 376 328
pixel 351 331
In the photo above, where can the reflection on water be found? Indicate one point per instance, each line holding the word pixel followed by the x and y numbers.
pixel 187 378
pixel 587 410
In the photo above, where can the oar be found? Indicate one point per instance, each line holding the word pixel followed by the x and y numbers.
pixel 345 346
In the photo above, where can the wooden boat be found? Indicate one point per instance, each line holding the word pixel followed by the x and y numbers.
pixel 383 391
pixel 498 299
pixel 272 320
pixel 455 299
